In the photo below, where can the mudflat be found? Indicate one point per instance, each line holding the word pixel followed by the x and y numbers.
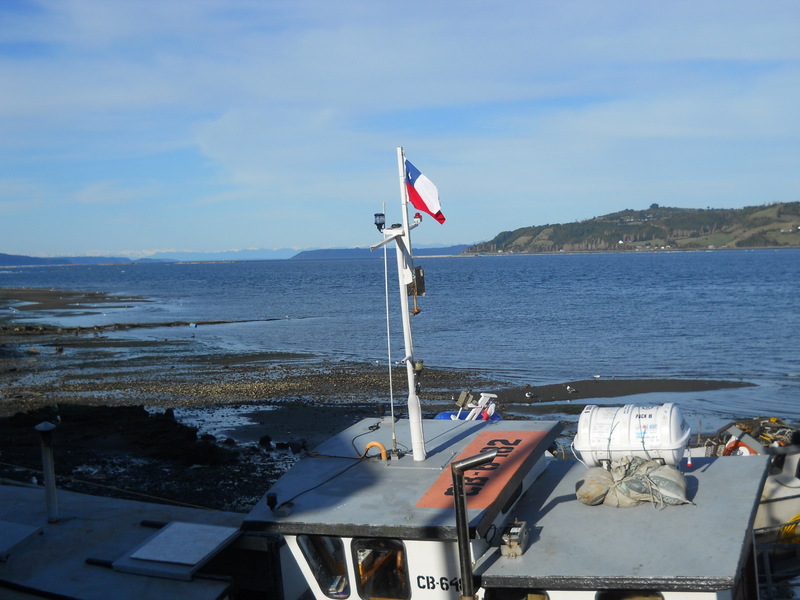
pixel 115 398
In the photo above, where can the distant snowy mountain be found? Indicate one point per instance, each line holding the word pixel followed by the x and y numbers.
pixel 341 253
pixel 14 260
pixel 229 255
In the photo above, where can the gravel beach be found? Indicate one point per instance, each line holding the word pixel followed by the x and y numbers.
pixel 123 404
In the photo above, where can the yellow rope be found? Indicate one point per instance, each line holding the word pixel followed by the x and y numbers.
pixel 788 535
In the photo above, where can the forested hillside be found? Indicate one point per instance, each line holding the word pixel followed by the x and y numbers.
pixel 772 226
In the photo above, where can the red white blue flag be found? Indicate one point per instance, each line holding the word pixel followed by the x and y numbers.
pixel 422 193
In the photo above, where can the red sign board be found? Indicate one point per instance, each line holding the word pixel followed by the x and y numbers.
pixel 483 484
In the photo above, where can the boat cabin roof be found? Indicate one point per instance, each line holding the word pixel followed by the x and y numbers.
pixel 333 492
pixel 697 546
pixel 703 545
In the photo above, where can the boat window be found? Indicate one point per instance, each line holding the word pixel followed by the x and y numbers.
pixel 628 595
pixel 325 556
pixel 381 569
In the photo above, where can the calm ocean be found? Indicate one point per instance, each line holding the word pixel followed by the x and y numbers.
pixel 524 319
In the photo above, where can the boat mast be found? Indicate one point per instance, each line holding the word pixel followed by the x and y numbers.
pixel 405 275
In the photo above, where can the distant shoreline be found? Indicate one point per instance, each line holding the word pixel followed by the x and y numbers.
pixel 372 256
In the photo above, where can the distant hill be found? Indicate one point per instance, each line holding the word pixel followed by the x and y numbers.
pixel 16 260
pixel 345 253
pixel 768 226
pixel 772 226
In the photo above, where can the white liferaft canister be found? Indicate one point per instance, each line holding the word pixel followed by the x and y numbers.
pixel 610 432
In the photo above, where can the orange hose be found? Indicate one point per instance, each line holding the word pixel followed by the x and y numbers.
pixel 377 445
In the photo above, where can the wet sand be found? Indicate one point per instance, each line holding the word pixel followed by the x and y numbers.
pixel 608 388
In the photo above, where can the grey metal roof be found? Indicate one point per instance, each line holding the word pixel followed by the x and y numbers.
pixel 335 494
pixel 697 546
pixel 53 561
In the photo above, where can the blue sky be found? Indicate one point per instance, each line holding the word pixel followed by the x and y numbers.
pixel 129 127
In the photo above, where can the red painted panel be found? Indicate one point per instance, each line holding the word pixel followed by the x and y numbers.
pixel 483 484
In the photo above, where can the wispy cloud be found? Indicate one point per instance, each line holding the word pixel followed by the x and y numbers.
pixel 217 124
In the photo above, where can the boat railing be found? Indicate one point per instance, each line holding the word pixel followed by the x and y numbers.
pixel 778 552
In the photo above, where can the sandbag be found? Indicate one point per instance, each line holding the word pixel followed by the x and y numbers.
pixel 594 487
pixel 632 480
pixel 671 484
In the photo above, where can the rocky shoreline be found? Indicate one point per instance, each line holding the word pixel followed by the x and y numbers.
pixel 116 398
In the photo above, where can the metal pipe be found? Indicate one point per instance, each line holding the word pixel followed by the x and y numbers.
pixel 462 523
pixel 45 430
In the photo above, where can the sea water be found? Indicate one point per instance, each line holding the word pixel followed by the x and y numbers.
pixel 523 319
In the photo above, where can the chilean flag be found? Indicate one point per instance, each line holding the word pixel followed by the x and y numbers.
pixel 422 193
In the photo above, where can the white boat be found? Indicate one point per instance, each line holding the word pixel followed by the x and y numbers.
pixel 377 528
pixel 779 509
pixel 413 509
pixel 390 525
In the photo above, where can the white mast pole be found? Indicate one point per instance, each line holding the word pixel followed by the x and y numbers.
pixel 405 275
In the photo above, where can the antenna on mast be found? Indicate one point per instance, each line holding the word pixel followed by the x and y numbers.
pixel 380 223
